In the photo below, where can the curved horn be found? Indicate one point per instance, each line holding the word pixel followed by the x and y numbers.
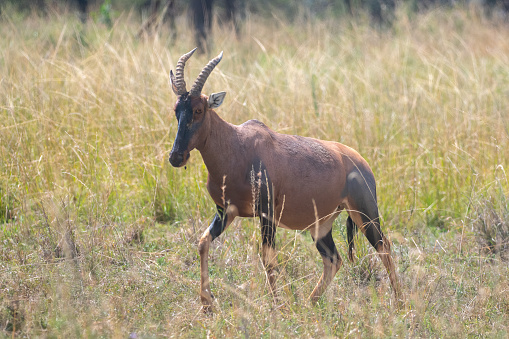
pixel 178 83
pixel 200 81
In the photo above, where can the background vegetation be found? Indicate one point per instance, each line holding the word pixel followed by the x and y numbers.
pixel 98 233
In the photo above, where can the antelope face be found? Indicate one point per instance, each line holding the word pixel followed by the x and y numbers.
pixel 190 114
pixel 191 109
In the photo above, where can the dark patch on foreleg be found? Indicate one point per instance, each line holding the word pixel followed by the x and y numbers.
pixel 218 225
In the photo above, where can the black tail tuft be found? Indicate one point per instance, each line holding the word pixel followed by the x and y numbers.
pixel 351 230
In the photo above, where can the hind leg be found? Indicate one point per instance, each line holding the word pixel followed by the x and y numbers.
pixel 377 239
pixel 265 207
pixel 363 210
pixel 372 231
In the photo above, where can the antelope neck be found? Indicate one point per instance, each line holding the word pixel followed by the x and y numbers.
pixel 217 148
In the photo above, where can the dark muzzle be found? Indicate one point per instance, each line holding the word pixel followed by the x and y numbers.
pixel 178 159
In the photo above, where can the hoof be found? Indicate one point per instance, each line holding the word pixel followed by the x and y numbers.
pixel 207 309
pixel 314 299
pixel 207 303
pixel 282 308
pixel 400 302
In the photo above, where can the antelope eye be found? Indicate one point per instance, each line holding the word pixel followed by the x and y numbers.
pixel 198 111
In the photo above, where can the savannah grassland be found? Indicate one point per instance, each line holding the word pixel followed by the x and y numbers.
pixel 98 233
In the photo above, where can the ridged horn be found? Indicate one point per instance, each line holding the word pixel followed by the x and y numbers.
pixel 200 81
pixel 178 83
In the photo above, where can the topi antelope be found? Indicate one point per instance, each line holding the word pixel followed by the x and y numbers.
pixel 289 181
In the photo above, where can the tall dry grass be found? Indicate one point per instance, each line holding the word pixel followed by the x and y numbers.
pixel 99 233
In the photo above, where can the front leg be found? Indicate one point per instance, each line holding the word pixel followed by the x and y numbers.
pixel 221 221
pixel 265 208
pixel 269 254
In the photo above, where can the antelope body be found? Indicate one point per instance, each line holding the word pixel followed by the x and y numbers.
pixel 289 181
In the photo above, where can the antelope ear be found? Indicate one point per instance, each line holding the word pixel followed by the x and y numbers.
pixel 216 99
pixel 172 82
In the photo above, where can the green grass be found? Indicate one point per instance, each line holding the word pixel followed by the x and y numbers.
pixel 98 233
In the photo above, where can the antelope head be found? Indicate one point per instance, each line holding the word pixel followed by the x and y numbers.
pixel 192 110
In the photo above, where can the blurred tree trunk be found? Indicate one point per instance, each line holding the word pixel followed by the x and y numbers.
pixel 492 4
pixel 201 14
pixel 231 14
pixel 381 11
pixel 157 17
pixel 83 7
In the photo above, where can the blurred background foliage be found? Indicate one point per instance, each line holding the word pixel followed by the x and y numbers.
pixel 201 13
pixel 380 11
